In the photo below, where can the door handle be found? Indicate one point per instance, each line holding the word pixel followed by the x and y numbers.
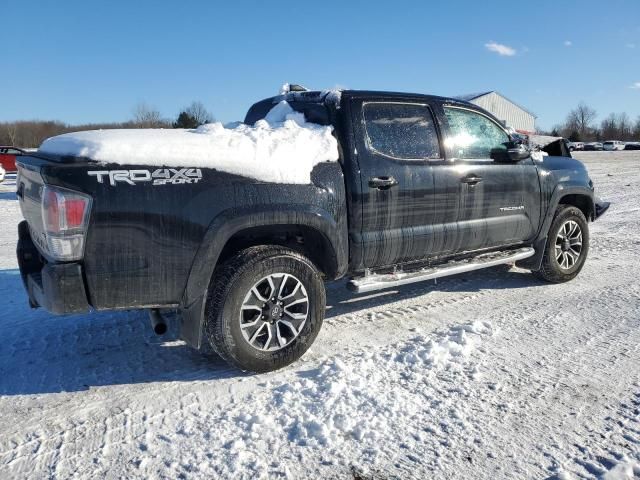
pixel 382 183
pixel 471 179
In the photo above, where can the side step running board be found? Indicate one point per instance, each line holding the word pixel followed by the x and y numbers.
pixel 375 281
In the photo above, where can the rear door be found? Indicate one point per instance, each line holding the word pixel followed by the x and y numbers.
pixel 499 200
pixel 395 142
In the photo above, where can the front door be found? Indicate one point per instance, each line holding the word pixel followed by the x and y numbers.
pixel 499 200
pixel 395 142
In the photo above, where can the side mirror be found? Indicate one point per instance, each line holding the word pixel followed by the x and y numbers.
pixel 518 152
pixel 510 152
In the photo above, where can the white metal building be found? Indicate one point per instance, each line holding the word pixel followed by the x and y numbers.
pixel 509 112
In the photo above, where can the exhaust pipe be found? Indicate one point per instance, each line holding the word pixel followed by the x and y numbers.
pixel 157 322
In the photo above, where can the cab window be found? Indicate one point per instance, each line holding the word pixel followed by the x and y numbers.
pixel 403 131
pixel 472 135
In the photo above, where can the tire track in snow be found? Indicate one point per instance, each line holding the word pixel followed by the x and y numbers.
pixel 533 385
pixel 553 392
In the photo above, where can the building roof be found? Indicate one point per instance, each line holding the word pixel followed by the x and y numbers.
pixel 472 96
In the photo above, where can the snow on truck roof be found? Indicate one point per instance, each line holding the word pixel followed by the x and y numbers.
pixel 283 147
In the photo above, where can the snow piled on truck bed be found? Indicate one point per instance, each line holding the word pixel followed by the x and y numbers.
pixel 281 148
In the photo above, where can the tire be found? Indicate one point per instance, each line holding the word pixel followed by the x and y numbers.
pixel 559 264
pixel 275 339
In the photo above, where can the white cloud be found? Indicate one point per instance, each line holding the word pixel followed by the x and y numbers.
pixel 630 45
pixel 568 43
pixel 635 86
pixel 503 50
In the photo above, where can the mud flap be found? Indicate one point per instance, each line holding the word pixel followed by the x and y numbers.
pixel 601 207
pixel 191 324
pixel 534 262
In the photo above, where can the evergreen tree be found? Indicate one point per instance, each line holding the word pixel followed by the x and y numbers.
pixel 575 137
pixel 185 121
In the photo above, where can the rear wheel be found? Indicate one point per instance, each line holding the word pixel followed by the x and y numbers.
pixel 567 246
pixel 265 308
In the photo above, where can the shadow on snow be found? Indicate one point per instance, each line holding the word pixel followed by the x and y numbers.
pixel 43 353
pixel 8 196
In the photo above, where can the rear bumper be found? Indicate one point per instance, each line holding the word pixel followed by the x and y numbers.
pixel 57 287
pixel 601 207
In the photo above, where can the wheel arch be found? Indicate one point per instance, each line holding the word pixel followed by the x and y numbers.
pixel 581 201
pixel 579 196
pixel 305 239
pixel 308 230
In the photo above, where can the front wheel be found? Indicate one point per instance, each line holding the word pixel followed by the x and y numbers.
pixel 265 308
pixel 567 246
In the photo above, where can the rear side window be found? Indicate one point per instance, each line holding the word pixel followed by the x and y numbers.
pixel 473 135
pixel 313 112
pixel 401 130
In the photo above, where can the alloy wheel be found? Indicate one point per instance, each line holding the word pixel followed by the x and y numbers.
pixel 274 312
pixel 568 246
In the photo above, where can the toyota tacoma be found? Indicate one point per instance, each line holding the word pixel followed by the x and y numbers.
pixel 422 187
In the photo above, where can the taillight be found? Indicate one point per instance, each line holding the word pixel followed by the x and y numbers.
pixel 65 216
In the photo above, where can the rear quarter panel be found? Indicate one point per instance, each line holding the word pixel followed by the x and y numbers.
pixel 143 239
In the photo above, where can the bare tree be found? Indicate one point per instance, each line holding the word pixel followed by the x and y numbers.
pixel 145 116
pixel 31 133
pixel 11 130
pixel 609 127
pixel 580 120
pixel 625 128
pixel 199 113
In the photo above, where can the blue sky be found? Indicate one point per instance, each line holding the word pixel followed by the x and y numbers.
pixel 90 61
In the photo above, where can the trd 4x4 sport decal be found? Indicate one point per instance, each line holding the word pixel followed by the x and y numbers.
pixel 160 176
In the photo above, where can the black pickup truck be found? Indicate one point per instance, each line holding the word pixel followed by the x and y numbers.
pixel 424 187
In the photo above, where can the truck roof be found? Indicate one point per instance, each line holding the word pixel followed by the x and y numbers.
pixel 321 95
pixel 383 93
pixel 332 97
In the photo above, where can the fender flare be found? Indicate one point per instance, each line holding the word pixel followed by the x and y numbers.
pixel 561 191
pixel 233 221
pixel 539 243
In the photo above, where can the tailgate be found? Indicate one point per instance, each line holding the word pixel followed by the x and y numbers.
pixel 29 184
pixel 52 282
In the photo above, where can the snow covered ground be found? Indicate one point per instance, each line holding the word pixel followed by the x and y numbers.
pixel 490 374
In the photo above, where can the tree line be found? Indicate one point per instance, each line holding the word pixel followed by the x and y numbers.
pixel 31 133
pixel 581 126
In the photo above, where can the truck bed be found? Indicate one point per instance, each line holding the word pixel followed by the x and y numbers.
pixel 144 237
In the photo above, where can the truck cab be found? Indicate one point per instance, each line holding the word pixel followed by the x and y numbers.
pixel 434 180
